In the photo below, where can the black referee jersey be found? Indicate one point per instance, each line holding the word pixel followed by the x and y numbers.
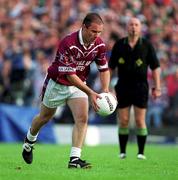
pixel 132 65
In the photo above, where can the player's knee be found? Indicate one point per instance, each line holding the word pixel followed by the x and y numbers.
pixel 124 122
pixel 82 120
pixel 140 123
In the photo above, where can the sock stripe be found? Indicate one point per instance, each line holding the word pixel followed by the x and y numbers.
pixel 29 142
pixel 123 131
pixel 142 131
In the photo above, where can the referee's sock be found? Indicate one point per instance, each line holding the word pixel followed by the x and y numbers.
pixel 123 134
pixel 141 139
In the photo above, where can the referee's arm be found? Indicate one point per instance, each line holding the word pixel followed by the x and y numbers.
pixel 155 67
pixel 156 78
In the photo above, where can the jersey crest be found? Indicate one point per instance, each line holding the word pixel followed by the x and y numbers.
pixel 121 60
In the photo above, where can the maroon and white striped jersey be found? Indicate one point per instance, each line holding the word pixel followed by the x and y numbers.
pixel 73 57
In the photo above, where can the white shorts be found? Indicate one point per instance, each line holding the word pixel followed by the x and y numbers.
pixel 57 94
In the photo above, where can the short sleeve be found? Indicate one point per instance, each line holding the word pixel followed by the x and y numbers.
pixel 101 59
pixel 114 56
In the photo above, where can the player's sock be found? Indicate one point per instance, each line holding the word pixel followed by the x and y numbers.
pixel 141 139
pixel 123 139
pixel 30 137
pixel 75 152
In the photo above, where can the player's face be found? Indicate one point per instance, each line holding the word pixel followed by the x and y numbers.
pixel 134 27
pixel 92 32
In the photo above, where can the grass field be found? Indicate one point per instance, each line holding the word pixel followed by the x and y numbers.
pixel 50 163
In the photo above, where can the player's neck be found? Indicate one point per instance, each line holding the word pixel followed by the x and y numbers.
pixel 86 43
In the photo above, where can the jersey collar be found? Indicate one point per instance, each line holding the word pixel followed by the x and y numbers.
pixel 140 40
pixel 80 37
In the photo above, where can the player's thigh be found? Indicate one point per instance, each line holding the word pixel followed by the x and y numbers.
pixel 46 113
pixel 79 108
pixel 123 116
pixel 140 114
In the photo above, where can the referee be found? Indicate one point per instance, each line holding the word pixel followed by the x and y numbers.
pixel 131 56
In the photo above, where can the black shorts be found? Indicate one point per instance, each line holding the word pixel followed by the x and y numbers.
pixel 136 95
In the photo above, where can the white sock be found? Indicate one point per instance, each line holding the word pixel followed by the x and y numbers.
pixel 30 137
pixel 75 152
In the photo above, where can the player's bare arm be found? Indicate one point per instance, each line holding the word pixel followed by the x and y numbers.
pixel 105 80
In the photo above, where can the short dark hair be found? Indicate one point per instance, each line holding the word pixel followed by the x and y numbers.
pixel 92 17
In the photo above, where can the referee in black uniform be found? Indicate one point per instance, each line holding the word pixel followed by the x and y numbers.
pixel 132 56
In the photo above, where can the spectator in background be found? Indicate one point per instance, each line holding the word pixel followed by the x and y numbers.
pixel 5 67
pixel 38 73
pixel 156 108
pixel 20 87
pixel 172 85
pixel 170 115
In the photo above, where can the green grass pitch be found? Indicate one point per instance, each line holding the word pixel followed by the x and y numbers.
pixel 50 163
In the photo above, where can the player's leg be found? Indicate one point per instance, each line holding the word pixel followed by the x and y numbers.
pixel 48 108
pixel 41 119
pixel 140 114
pixel 79 109
pixel 123 132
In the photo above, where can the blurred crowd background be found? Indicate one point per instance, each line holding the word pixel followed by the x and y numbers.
pixel 31 29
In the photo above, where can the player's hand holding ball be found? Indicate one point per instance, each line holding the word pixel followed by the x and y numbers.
pixel 107 104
